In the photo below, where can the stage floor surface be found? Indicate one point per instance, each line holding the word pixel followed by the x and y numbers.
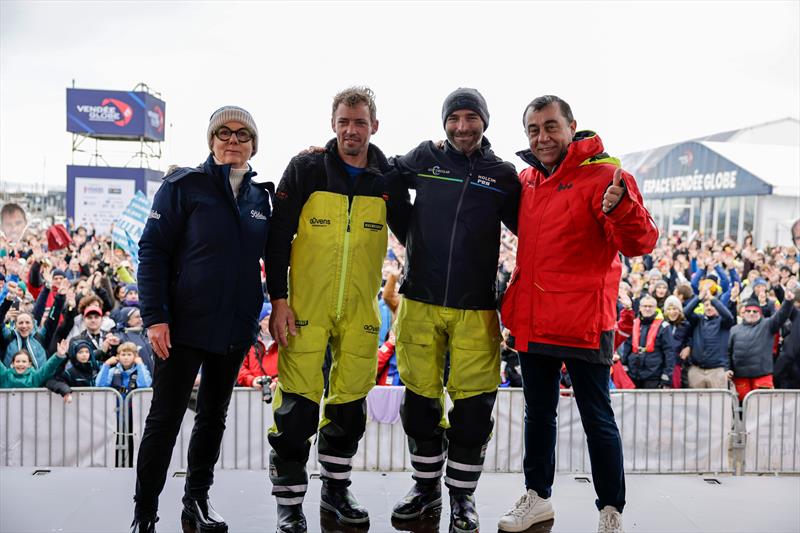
pixel 98 500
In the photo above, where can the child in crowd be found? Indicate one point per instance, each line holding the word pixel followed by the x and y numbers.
pixel 81 371
pixel 23 375
pixel 125 372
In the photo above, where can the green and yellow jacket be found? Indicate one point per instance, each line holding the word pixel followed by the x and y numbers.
pixel 331 228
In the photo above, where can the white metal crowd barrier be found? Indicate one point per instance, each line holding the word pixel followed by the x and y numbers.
pixel 38 429
pixel 668 431
pixel 663 431
pixel 244 444
pixel 772 426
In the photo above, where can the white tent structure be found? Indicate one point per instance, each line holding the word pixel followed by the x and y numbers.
pixel 725 185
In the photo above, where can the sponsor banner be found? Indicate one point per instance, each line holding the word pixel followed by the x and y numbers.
pixel 690 170
pixel 115 114
pixel 99 201
pixel 99 195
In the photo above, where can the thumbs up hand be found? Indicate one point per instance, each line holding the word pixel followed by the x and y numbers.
pixel 614 192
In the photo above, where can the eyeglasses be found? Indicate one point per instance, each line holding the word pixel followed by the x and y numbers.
pixel 243 135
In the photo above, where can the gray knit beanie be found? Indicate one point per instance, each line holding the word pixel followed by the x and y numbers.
pixel 231 113
pixel 674 301
pixel 465 98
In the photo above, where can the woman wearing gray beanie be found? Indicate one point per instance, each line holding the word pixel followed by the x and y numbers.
pixel 200 296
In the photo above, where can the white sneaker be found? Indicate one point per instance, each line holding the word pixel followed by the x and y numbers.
pixel 530 509
pixel 610 520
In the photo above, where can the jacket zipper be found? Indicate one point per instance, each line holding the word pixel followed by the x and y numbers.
pixel 453 233
pixel 345 261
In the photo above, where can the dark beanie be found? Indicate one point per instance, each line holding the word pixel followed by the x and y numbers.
pixel 753 302
pixel 464 98
pixel 59 272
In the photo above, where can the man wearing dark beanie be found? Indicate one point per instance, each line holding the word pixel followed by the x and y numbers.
pixel 463 193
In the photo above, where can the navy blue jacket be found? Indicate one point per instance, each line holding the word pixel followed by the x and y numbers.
pixel 709 335
pixel 453 236
pixel 199 258
pixel 658 364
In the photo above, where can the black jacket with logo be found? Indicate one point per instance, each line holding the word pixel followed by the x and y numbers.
pixel 325 171
pixel 199 257
pixel 453 236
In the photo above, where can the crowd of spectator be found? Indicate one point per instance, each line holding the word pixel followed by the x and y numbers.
pixel 695 313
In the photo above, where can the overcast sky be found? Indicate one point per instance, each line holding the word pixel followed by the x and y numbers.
pixel 641 74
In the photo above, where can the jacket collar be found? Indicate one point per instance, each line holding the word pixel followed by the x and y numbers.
pixel 224 171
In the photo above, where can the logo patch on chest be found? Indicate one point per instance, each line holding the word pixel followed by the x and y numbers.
pixel 314 221
pixel 438 171
pixel 258 215
pixel 373 226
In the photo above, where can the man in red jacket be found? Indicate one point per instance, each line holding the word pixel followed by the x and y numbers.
pixel 578 211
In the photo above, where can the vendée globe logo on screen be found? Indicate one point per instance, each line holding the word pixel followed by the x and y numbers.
pixel 109 110
pixel 156 116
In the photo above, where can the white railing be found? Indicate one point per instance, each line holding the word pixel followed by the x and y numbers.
pixel 38 429
pixel 663 431
pixel 772 431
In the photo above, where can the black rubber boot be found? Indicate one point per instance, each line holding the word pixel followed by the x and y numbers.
pixel 419 500
pixel 199 517
pixel 339 500
pixel 463 515
pixel 291 519
pixel 144 525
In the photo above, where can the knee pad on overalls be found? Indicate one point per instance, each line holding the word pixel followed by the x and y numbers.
pixel 421 416
pixel 471 421
pixel 296 421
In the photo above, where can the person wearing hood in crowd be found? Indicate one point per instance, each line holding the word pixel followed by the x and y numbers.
pixel 25 335
pixel 22 374
pixel 680 334
pixel 261 360
pixel 129 329
pixel 708 360
pixel 81 371
pixel 130 297
pixel 648 354
pixel 750 346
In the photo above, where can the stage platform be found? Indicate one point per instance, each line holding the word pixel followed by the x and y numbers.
pixel 97 500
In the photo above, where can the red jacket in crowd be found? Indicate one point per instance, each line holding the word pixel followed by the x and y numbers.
pixel 251 369
pixel 564 288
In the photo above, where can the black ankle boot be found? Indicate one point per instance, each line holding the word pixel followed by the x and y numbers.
pixel 339 500
pixel 419 500
pixel 291 519
pixel 463 515
pixel 144 525
pixel 199 517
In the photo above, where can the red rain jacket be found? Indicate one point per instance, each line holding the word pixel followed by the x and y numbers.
pixel 563 291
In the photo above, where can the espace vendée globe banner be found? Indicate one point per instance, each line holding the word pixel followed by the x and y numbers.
pixel 121 115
